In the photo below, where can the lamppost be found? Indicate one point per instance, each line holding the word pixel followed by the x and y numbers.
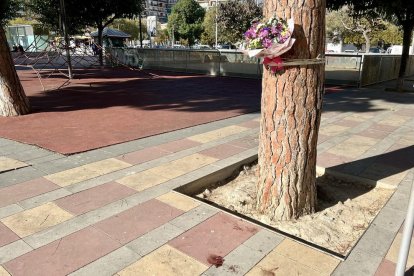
pixel 216 21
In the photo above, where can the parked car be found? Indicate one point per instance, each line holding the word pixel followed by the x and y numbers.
pixel 202 47
pixel 226 46
pixel 376 50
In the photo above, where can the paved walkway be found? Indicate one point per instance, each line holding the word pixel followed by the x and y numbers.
pixel 113 210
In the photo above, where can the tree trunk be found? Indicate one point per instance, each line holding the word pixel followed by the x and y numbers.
pixel 13 100
pixel 100 48
pixel 407 36
pixel 367 41
pixel 291 111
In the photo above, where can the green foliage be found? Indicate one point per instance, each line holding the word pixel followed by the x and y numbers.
pixel 82 13
pixel 163 37
pixel 236 17
pixel 209 26
pixel 131 27
pixel 399 12
pixel 341 25
pixel 186 20
pixel 48 14
pixel 8 10
pixel 390 35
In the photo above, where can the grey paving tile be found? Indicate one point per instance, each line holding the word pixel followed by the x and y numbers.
pixel 47 158
pixel 13 148
pixel 359 263
pixel 5 142
pixel 264 241
pixel 56 165
pixel 31 154
pixel 109 264
pixel 18 176
pixel 123 148
pixel 10 210
pixel 13 250
pixel 43 198
pixel 237 262
pixel 399 200
pixel 389 219
pixel 194 217
pixel 154 239
pixel 376 241
pixel 90 156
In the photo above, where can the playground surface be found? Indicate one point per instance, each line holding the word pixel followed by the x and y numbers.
pixel 114 210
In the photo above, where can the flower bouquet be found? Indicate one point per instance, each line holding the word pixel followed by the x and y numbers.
pixel 270 40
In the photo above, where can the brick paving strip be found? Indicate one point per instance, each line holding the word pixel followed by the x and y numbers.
pixel 112 211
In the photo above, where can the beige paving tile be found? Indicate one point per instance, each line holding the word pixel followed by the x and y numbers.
pixel 72 176
pixel 354 146
pixel 107 166
pixel 165 261
pixel 307 256
pixel 182 166
pixel 407 139
pixel 394 120
pixel 356 118
pixel 332 130
pixel 276 264
pixel 217 134
pixel 179 201
pixel 34 220
pixel 167 171
pixel 362 116
pixel 392 254
pixel 3 272
pixel 142 180
pixel 10 164
pixel 192 162
pixel 86 172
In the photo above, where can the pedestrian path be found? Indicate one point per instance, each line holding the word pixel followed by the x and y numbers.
pixel 114 210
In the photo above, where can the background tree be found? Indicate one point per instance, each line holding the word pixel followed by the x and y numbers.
pixel 209 28
pixel 356 30
pixel 235 17
pixel 390 35
pixel 291 110
pixel 104 12
pixel 162 37
pixel 13 100
pixel 82 13
pixel 131 27
pixel 185 21
pixel 47 13
pixel 399 12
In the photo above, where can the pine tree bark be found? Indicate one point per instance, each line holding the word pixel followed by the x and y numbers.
pixel 291 110
pixel 13 100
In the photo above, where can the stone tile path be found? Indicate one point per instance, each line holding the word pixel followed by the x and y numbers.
pixel 113 210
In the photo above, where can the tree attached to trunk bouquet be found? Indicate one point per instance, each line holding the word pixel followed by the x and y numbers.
pixel 291 111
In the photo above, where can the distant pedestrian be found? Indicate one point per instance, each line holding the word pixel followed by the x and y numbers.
pixel 15 49
pixel 94 49
pixel 20 47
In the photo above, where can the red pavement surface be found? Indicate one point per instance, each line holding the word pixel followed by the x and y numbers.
pixel 104 107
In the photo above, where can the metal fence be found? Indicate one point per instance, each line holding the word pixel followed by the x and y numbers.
pixel 350 69
pixel 211 62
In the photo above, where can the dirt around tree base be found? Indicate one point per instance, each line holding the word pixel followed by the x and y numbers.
pixel 345 209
